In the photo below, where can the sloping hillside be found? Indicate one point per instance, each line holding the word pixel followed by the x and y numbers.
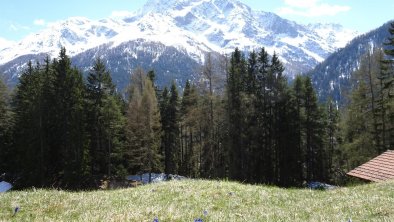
pixel 207 200
pixel 332 78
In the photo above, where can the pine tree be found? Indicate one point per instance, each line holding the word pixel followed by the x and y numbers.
pixel 28 149
pixel 298 129
pixel 164 103
pixel 209 150
pixel 69 140
pixel 170 127
pixel 152 137
pixel 264 105
pixel 365 121
pixel 105 121
pixel 236 130
pixel 188 130
pixel 358 138
pixel 314 133
pixel 334 140
pixel 386 79
pixel 143 127
pixel 137 83
pixel 6 126
pixel 286 154
pixel 250 112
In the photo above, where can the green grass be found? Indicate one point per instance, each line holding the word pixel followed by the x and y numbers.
pixel 187 200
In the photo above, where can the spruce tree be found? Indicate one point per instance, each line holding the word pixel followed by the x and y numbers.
pixel 386 78
pixel 365 131
pixel 189 128
pixel 235 113
pixel 69 139
pixel 170 127
pixel 314 134
pixel 6 126
pixel 266 163
pixel 105 121
pixel 298 129
pixel 28 147
pixel 333 139
pixel 250 112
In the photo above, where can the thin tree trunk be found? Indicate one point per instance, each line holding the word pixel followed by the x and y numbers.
pixel 371 89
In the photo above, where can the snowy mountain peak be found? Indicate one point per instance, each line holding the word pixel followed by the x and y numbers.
pixel 193 27
pixel 202 7
pixel 79 21
pixel 77 34
pixel 4 43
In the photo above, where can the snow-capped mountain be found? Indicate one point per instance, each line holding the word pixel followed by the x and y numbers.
pixel 193 27
pixel 77 34
pixel 333 77
pixel 4 43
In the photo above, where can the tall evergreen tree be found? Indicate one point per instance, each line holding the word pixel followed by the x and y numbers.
pixel 386 79
pixel 234 88
pixel 28 147
pixel 188 129
pixel 250 112
pixel 299 130
pixel 333 140
pixel 170 128
pixel 265 166
pixel 105 121
pixel 366 123
pixel 358 146
pixel 69 141
pixel 6 126
pixel 210 148
pixel 314 133
pixel 143 128
pixel 163 104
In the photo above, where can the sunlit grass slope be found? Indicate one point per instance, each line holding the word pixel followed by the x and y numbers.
pixel 191 200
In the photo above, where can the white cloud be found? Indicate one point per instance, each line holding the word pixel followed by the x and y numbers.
pixel 311 8
pixel 39 22
pixel 17 27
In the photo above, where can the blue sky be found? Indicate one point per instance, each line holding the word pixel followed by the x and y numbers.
pixel 18 18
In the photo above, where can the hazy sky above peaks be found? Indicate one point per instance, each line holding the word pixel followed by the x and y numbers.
pixel 18 18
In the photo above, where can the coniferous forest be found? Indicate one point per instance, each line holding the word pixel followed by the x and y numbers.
pixel 59 128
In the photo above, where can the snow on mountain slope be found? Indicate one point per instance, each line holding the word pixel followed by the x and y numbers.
pixel 336 36
pixel 77 34
pixel 226 24
pixel 4 43
pixel 193 27
pixel 333 78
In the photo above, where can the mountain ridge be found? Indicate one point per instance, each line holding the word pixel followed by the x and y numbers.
pixel 193 27
pixel 332 78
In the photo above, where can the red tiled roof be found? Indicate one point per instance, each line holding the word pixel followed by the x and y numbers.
pixel 380 168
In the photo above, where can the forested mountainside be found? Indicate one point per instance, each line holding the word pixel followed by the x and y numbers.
pixel 333 77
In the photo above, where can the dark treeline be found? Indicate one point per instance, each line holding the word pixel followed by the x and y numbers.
pixel 368 120
pixel 63 130
pixel 278 134
pixel 58 129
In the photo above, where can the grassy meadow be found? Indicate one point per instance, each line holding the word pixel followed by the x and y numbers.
pixel 191 200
